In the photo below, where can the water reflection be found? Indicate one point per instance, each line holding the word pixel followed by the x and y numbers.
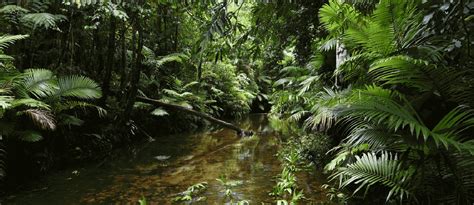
pixel 167 166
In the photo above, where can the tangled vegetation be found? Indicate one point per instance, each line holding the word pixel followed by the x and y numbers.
pixel 378 94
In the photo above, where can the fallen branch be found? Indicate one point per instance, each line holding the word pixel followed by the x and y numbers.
pixel 205 116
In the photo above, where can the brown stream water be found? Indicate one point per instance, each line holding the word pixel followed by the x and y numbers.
pixel 161 169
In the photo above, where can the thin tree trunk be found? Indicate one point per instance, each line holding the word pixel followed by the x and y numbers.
pixel 132 94
pixel 71 57
pixel 176 35
pixel 110 60
pixel 123 58
pixel 98 52
pixel 165 29
pixel 3 165
pixel 159 32
pixel 199 70
pixel 341 56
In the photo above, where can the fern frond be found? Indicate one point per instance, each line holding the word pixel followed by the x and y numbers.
pixel 11 9
pixel 174 57
pixel 81 3
pixel 190 85
pixel 159 112
pixel 7 40
pixel 43 20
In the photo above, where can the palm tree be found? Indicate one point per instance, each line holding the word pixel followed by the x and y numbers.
pixel 41 96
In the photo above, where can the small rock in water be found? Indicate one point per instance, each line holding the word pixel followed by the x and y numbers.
pixel 162 157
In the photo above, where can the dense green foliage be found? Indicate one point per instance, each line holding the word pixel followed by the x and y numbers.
pixel 399 101
pixel 389 84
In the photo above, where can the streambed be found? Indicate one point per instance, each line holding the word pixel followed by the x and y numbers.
pixel 161 169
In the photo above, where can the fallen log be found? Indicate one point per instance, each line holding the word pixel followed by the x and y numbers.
pixel 240 132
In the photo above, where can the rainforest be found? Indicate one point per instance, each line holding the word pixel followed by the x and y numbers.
pixel 236 102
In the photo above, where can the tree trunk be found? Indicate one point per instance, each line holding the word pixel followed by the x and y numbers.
pixel 98 52
pixel 123 58
pixel 176 35
pixel 110 60
pixel 135 78
pixel 341 56
pixel 205 116
pixel 199 70
pixel 3 166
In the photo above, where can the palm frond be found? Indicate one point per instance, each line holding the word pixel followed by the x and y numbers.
pixel 5 103
pixel 369 169
pixel 42 118
pixel 79 87
pixel 328 44
pixel 324 110
pixel 449 129
pixel 378 105
pixel 307 84
pixel 395 25
pixel 29 136
pixel 355 67
pixel 29 102
pixel 372 38
pixel 463 91
pixel 415 73
pixel 336 16
pixel 315 63
pixel 377 137
pixel 38 82
pixel 464 176
pixel 70 104
pixel 69 120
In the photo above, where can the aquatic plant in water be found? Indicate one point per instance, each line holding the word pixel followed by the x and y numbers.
pixel 228 185
pixel 191 192
pixel 287 186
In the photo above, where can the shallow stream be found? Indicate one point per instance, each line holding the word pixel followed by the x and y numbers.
pixel 161 169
